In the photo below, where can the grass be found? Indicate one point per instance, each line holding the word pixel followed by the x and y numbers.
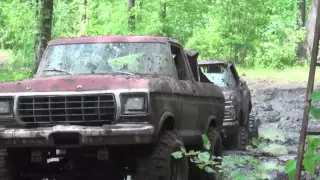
pixel 288 75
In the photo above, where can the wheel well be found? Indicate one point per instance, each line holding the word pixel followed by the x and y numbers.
pixel 212 123
pixel 168 124
pixel 241 118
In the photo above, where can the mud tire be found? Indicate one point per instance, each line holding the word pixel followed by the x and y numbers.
pixel 158 164
pixel 216 150
pixel 242 138
pixel 253 128
pixel 6 172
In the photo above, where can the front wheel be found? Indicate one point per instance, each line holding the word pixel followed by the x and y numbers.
pixel 160 164
pixel 8 166
pixel 215 150
pixel 253 128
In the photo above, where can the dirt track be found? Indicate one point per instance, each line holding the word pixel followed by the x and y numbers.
pixel 279 108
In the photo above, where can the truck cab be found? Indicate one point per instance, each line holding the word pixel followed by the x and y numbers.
pixel 108 99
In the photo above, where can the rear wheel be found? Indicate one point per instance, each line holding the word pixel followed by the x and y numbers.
pixel 160 164
pixel 216 150
pixel 242 138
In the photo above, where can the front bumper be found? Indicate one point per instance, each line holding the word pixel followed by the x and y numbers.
pixel 69 136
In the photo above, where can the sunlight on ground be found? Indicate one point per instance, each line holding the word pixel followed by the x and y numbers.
pixel 4 56
pixel 271 134
pixel 275 149
pixel 296 74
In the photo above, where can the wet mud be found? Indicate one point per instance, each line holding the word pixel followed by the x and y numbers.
pixel 278 108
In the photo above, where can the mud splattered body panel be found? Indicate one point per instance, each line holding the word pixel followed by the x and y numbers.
pixel 237 94
pixel 107 108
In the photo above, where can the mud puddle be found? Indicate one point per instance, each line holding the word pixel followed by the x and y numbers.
pixel 279 109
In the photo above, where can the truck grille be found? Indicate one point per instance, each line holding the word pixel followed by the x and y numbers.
pixel 67 109
pixel 228 115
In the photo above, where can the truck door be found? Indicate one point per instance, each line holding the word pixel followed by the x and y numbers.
pixel 189 106
pixel 240 90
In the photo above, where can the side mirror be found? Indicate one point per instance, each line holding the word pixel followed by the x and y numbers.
pixel 241 83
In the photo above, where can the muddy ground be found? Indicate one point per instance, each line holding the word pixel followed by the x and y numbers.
pixel 279 108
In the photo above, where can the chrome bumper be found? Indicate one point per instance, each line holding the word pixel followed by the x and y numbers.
pixel 119 134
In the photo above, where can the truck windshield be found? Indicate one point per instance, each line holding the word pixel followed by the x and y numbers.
pixel 107 58
pixel 217 74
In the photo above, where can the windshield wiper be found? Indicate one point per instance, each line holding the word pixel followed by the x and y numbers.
pixel 123 72
pixel 58 70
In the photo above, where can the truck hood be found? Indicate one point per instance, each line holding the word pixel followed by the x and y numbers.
pixel 76 83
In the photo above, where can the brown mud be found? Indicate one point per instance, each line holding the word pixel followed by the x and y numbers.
pixel 278 108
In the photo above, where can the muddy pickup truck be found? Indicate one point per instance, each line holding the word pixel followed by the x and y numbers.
pixel 239 128
pixel 107 106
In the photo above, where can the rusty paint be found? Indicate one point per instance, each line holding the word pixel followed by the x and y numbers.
pixel 66 83
pixel 104 39
pixel 192 103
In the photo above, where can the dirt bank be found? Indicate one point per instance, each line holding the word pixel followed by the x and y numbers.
pixel 279 108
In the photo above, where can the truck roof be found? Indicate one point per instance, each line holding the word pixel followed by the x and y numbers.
pixel 224 62
pixel 116 38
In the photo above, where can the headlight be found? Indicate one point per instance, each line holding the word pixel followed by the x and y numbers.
pixel 5 107
pixel 134 103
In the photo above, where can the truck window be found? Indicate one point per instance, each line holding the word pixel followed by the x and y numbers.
pixel 235 74
pixel 178 58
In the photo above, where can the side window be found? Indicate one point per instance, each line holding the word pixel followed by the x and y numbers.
pixel 178 58
pixel 235 74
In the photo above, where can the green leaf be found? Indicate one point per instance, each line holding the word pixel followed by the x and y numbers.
pixel 195 160
pixel 291 169
pixel 183 150
pixel 177 155
pixel 255 142
pixel 236 175
pixel 201 166
pixel 315 96
pixel 218 157
pixel 206 142
pixel 316 142
pixel 192 153
pixel 209 169
pixel 204 157
pixel 309 164
pixel 317 158
pixel 315 112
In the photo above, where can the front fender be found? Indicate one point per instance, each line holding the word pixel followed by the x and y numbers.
pixel 166 115
pixel 212 120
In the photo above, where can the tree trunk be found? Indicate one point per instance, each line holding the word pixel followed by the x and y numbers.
pixel 131 20
pixel 46 13
pixel 84 17
pixel 163 9
pixel 163 15
pixel 302 13
pixel 307 45
pixel 36 37
pixel 301 22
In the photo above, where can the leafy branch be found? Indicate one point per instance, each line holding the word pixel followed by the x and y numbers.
pixel 203 159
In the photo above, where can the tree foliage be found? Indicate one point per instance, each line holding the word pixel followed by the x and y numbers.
pixel 254 33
